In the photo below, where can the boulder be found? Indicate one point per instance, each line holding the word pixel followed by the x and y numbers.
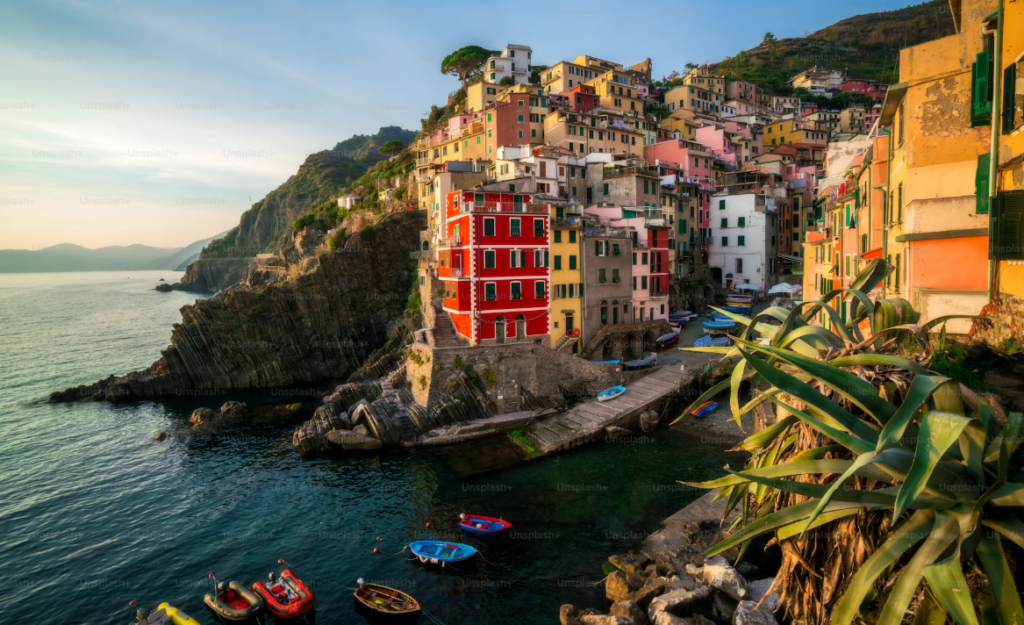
pixel 311 436
pixel 630 563
pixel 680 602
pixel 202 416
pixel 719 575
pixel 757 590
pixel 349 439
pixel 630 611
pixel 747 613
pixel 601 619
pixel 651 589
pixel 233 409
pixel 616 587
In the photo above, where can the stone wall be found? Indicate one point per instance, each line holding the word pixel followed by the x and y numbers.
pixel 1002 321
pixel 508 378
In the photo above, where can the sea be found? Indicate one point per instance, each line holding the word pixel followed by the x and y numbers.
pixel 95 513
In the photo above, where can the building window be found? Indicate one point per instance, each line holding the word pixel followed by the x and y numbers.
pixel 516 290
pixel 490 291
pixel 489 259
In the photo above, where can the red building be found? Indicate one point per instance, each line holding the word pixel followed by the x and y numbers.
pixel 494 267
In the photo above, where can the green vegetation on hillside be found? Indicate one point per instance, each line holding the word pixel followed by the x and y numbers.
pixel 867 46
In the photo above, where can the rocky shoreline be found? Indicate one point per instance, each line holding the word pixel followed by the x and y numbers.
pixel 669 582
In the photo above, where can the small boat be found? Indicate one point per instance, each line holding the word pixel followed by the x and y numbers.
pixel 441 552
pixel 638 364
pixel 478 524
pixel 667 340
pixel 611 393
pixel 705 409
pixel 605 362
pixel 286 596
pixel 164 614
pixel 234 602
pixel 718 326
pixel 383 600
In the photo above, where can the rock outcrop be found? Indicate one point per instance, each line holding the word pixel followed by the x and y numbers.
pixel 321 325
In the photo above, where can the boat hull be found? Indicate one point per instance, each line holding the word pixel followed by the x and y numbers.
pixel 483 525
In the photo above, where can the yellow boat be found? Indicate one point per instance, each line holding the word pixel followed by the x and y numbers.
pixel 165 614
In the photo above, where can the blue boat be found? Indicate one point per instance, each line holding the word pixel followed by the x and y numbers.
pixel 441 552
pixel 718 326
pixel 611 393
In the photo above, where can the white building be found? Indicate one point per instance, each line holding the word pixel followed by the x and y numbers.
pixel 514 63
pixel 744 234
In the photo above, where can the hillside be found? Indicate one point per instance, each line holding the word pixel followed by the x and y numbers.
pixel 867 46
pixel 366 147
pixel 320 179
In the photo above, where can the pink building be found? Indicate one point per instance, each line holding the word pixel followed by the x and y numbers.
pixel 650 270
pixel 694 161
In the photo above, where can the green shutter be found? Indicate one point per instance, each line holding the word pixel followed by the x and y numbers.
pixel 1009 227
pixel 1009 84
pixel 981 79
pixel 981 183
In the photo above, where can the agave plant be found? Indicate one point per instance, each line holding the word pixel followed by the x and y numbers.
pixel 886 485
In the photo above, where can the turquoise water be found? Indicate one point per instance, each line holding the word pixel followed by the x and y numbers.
pixel 95 513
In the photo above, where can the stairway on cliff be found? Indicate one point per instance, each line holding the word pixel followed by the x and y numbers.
pixel 444 331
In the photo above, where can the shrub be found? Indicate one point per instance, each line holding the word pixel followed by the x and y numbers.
pixel 490 377
pixel 912 473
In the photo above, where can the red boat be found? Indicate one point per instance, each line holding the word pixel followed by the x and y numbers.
pixel 286 596
pixel 477 524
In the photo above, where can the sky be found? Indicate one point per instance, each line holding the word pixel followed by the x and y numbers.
pixel 161 122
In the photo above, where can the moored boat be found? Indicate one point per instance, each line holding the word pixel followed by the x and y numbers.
pixel 286 596
pixel 611 393
pixel 479 524
pixel 386 601
pixel 441 552
pixel 164 614
pixel 234 602
pixel 667 340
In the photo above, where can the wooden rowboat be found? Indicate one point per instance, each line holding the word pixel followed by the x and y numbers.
pixel 384 600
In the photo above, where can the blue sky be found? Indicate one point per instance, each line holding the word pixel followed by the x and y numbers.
pixel 156 122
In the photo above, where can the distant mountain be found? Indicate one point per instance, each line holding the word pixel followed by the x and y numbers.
pixel 67 257
pixel 867 46
pixel 366 147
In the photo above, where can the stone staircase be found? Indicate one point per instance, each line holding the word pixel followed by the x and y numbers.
pixel 444 331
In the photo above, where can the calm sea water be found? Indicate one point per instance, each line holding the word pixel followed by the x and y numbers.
pixel 95 513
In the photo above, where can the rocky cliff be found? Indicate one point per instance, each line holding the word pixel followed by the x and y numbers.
pixel 319 325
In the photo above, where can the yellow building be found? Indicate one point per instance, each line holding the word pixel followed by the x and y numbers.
pixel 566 281
pixel 937 223
pixel 703 78
pixel 1007 250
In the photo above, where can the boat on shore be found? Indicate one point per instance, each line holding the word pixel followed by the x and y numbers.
pixel 611 393
pixel 386 601
pixel 286 596
pixel 441 552
pixel 234 602
pixel 479 524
